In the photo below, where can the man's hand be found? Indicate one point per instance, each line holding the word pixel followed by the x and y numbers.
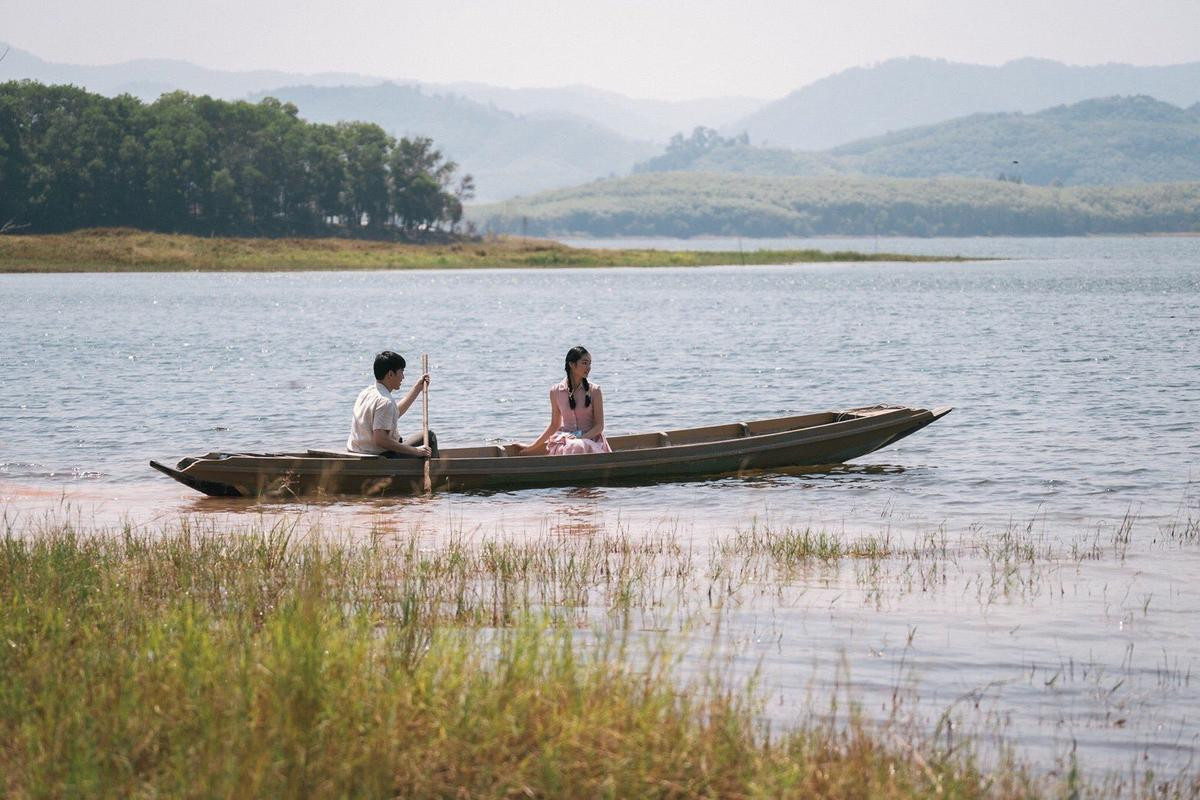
pixel 413 393
pixel 423 451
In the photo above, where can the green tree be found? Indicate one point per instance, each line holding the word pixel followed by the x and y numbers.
pixel 180 161
pixel 69 158
pixel 365 148
pixel 419 203
pixel 420 179
pixel 14 162
pixel 682 152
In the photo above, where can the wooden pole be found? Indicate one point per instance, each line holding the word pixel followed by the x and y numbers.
pixel 425 418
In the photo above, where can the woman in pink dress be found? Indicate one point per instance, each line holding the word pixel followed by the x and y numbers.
pixel 576 413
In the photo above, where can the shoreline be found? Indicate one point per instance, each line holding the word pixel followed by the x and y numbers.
pixel 127 250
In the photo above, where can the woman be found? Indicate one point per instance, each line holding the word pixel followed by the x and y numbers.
pixel 576 413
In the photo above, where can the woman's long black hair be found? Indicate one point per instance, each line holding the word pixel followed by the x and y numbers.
pixel 573 355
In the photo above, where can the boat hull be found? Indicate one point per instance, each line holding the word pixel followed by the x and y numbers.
pixel 814 440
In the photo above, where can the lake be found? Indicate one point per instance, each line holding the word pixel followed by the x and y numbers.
pixel 1072 365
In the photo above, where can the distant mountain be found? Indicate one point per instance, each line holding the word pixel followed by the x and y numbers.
pixel 519 141
pixel 508 154
pixel 903 93
pixel 631 117
pixel 703 204
pixel 149 78
pixel 1116 140
pixel 514 141
pixel 1105 141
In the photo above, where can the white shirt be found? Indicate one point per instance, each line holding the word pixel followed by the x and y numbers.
pixel 374 410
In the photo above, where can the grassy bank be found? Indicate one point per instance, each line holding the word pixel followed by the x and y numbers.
pixel 123 250
pixel 250 665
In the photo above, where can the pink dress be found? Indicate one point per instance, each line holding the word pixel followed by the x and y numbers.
pixel 566 441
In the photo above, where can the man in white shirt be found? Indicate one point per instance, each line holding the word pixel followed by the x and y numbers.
pixel 374 429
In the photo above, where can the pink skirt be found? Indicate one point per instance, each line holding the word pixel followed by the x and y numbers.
pixel 564 444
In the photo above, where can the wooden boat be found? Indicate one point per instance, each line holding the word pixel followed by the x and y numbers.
pixel 828 438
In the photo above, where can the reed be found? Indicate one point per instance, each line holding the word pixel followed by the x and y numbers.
pixel 287 660
pixel 200 662
pixel 126 250
pixel 790 547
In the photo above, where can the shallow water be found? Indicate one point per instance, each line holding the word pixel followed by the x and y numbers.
pixel 1073 378
pixel 1072 368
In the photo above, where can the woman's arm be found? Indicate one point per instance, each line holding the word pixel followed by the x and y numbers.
pixel 539 446
pixel 597 416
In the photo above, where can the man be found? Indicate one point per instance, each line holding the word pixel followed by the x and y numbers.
pixel 375 428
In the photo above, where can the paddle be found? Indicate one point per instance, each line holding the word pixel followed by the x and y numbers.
pixel 425 418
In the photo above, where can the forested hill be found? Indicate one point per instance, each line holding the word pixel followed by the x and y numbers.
pixel 1096 142
pixel 699 204
pixel 521 141
pixel 71 159
pixel 507 153
pixel 906 92
pixel 1106 141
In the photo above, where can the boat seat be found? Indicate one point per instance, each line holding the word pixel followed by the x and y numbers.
pixel 338 454
pixel 485 451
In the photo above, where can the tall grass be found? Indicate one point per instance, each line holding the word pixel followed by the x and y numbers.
pixel 195 664
pixel 275 663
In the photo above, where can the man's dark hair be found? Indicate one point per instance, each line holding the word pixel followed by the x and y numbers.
pixel 387 361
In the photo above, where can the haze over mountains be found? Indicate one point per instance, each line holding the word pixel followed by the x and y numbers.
pixel 514 141
pixel 1106 141
pixel 508 154
pixel 653 120
pixel 902 93
pixel 911 117
pixel 148 78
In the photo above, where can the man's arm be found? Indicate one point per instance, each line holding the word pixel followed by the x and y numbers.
pixel 413 393
pixel 383 439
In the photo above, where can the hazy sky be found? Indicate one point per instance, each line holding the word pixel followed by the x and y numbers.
pixel 671 50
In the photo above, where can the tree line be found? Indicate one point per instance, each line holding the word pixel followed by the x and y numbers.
pixel 705 204
pixel 681 153
pixel 73 159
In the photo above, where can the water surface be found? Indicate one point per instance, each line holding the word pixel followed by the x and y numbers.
pixel 1071 365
